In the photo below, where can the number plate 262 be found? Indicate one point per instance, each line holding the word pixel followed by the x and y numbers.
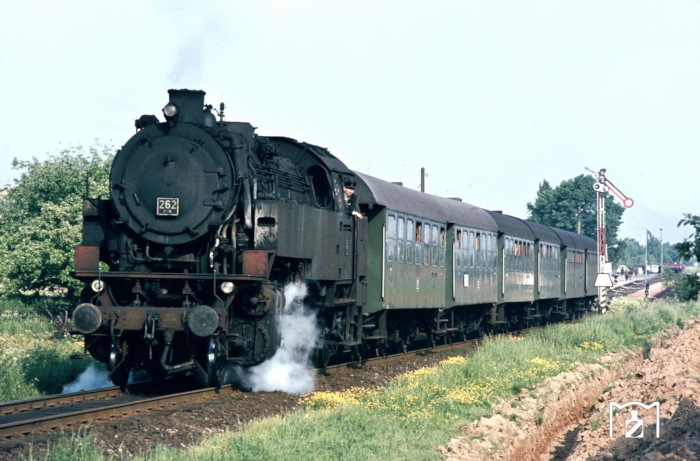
pixel 168 207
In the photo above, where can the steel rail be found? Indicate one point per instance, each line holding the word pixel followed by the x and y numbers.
pixel 56 421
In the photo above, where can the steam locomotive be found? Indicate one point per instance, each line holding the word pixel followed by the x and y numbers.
pixel 184 265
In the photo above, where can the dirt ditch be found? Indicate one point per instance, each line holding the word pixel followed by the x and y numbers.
pixel 569 416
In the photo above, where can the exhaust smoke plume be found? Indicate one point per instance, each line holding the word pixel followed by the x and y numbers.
pixel 289 369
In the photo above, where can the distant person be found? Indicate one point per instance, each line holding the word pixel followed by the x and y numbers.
pixel 351 199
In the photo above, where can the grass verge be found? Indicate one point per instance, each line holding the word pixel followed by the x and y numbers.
pixel 424 409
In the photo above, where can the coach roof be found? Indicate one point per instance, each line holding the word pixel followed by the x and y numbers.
pixel 419 204
pixel 544 233
pixel 512 226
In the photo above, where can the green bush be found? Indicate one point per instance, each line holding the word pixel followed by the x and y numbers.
pixel 687 287
pixel 32 361
pixel 49 367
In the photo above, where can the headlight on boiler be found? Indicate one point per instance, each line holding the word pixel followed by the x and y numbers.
pixel 227 287
pixel 97 285
pixel 170 110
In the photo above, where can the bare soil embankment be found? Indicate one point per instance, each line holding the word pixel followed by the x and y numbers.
pixel 568 417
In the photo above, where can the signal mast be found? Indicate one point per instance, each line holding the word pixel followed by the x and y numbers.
pixel 603 281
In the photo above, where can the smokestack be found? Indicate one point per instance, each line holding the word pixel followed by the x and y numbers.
pixel 190 105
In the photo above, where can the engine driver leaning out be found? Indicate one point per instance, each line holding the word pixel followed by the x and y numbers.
pixel 351 199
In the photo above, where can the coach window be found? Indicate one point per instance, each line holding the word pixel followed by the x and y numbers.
pixel 410 233
pixel 426 244
pixel 401 240
pixel 418 247
pixel 457 253
pixel 390 237
pixel 494 250
pixel 391 226
pixel 470 246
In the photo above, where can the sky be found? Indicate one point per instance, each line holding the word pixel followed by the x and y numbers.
pixel 491 97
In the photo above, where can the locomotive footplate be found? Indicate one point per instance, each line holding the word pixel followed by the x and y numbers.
pixel 91 275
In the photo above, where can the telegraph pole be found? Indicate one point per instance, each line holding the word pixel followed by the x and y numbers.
pixel 603 281
pixel 646 265
pixel 661 263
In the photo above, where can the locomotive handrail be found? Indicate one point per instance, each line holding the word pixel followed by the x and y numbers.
pixel 503 273
pixel 539 269
pixel 454 272
pixel 383 258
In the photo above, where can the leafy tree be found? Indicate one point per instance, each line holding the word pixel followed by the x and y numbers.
pixel 41 219
pixel 690 247
pixel 633 253
pixel 688 285
pixel 630 253
pixel 572 200
pixel 670 253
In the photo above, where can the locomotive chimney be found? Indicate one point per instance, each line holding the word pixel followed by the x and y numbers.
pixel 190 105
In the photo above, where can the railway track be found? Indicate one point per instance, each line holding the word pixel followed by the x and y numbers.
pixel 632 287
pixel 20 419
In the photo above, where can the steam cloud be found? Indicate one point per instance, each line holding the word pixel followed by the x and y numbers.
pixel 90 379
pixel 288 370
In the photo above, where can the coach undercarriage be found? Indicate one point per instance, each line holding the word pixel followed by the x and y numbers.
pixel 401 329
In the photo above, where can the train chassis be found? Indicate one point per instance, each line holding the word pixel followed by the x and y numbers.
pixel 201 341
pixel 398 330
